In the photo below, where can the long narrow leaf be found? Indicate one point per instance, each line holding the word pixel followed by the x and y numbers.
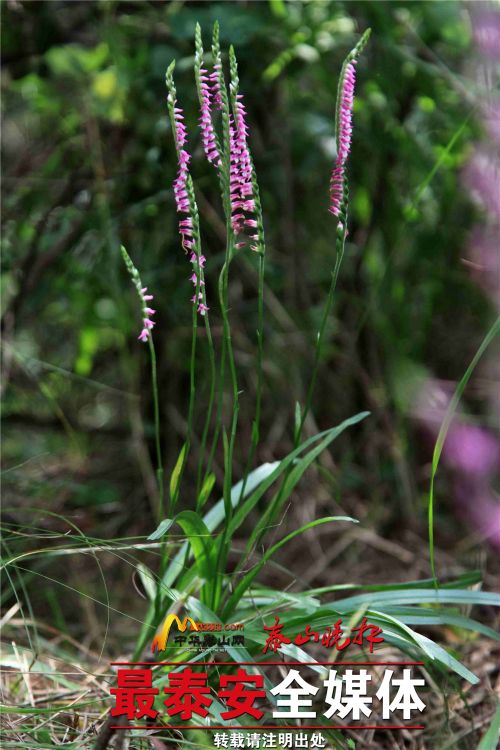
pixel 492 736
pixel 214 517
pixel 245 582
pixel 327 437
pixel 445 426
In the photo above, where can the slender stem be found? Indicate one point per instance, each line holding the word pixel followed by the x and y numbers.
pixel 192 370
pixel 312 383
pixel 211 399
pixel 220 402
pixel 156 408
pixel 228 454
pixel 223 298
pixel 319 343
pixel 258 396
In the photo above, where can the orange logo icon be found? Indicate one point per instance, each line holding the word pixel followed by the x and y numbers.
pixel 160 641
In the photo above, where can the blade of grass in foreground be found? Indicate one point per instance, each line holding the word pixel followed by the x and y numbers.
pixel 490 739
pixel 245 582
pixel 443 431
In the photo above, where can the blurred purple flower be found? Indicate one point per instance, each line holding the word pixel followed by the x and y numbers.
pixel 481 507
pixel 484 259
pixel 492 121
pixel 430 403
pixel 471 450
pixel 486 32
pixel 482 178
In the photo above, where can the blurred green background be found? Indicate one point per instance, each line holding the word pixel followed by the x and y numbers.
pixel 88 163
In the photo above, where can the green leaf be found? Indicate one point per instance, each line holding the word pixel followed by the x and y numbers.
pixel 176 475
pixel 161 529
pixel 245 582
pixel 328 437
pixel 148 580
pixel 428 647
pixel 205 491
pixel 445 426
pixel 418 596
pixel 298 419
pixel 202 545
pixel 441 616
pixel 214 517
pixel 88 346
pixel 490 740
pixel 240 653
pixel 227 475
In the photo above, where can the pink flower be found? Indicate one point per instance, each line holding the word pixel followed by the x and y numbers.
pixel 147 323
pixel 184 199
pixel 215 81
pixel 484 259
pixel 207 128
pixel 198 298
pixel 346 104
pixel 472 450
pixel 344 139
pixel 486 30
pixel 336 189
pixel 194 279
pixel 180 184
pixel 180 191
pixel 180 128
pixel 492 120
pixel 240 176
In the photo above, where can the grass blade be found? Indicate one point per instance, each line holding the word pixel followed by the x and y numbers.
pixel 445 426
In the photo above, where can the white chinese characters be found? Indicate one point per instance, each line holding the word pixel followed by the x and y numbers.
pixel 348 695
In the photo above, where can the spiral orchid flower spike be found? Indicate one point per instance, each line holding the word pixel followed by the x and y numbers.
pixel 146 336
pixel 339 200
pixel 144 297
pixel 184 190
pixel 339 193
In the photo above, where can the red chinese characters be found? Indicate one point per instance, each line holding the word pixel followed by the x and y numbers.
pixel 240 698
pixel 373 634
pixel 275 638
pixel 135 694
pixel 241 693
pixel 332 637
pixel 190 694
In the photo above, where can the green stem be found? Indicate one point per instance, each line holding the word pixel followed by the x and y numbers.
pixel 211 399
pixel 228 454
pixel 192 386
pixel 192 371
pixel 258 396
pixel 319 343
pixel 310 393
pixel 228 467
pixel 156 408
